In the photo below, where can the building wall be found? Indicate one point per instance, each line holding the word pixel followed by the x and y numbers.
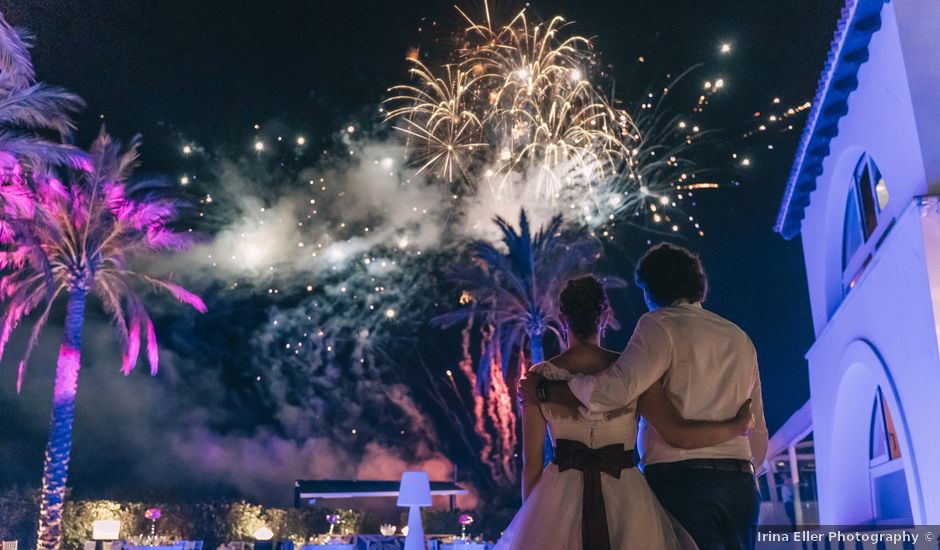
pixel 884 335
pixel 920 20
pixel 880 121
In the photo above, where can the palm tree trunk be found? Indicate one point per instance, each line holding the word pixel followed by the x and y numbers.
pixel 535 348
pixel 538 355
pixel 55 471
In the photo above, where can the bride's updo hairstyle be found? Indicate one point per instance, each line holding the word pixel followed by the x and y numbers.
pixel 582 303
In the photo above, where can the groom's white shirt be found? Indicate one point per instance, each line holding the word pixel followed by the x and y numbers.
pixel 708 367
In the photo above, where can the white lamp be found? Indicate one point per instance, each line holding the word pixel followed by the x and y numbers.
pixel 106 529
pixel 263 533
pixel 415 492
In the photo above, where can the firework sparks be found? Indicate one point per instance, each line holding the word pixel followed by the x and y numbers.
pixel 438 119
pixel 515 101
pixel 516 115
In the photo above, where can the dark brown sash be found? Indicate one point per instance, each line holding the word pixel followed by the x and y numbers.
pixel 612 459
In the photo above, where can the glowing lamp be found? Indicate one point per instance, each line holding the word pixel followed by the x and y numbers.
pixel 465 520
pixel 414 492
pixel 263 533
pixel 333 519
pixel 106 529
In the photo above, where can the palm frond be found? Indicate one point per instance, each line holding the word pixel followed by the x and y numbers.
pixel 129 360
pixel 110 290
pixel 40 107
pixel 153 352
pixel 453 318
pixel 37 152
pixel 20 302
pixel 15 60
pixel 113 160
pixel 184 296
pixel 34 339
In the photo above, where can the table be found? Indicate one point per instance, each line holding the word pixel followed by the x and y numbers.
pixel 331 546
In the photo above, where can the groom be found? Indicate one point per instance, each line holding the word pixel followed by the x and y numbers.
pixel 708 367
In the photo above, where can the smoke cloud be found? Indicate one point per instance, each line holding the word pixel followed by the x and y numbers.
pixel 318 278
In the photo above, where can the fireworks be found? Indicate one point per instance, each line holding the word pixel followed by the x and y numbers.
pixel 777 119
pixel 439 119
pixel 545 113
pixel 515 104
pixel 517 116
pixel 351 257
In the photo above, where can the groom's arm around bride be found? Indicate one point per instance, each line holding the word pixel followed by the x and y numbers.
pixel 708 368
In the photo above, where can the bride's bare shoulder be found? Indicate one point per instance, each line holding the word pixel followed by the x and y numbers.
pixel 583 360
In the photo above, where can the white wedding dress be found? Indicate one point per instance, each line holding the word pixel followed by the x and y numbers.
pixel 550 519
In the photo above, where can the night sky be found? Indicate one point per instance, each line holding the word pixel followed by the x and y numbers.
pixel 207 71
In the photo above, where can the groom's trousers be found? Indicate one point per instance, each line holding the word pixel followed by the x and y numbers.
pixel 715 500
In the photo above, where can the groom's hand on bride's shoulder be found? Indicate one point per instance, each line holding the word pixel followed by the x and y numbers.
pixel 527 387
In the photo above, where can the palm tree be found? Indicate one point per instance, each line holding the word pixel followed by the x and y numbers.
pixel 512 292
pixel 77 239
pixel 516 289
pixel 30 110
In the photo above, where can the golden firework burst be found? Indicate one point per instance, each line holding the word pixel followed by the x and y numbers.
pixel 438 118
pixel 516 100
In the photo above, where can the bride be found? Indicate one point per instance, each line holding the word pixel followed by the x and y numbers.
pixel 592 497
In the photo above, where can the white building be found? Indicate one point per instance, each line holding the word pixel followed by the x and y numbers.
pixel 863 195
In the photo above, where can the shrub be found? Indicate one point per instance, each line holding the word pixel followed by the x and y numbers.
pixel 19 515
pixel 218 522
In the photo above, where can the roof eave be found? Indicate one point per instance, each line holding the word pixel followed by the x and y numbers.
pixel 860 20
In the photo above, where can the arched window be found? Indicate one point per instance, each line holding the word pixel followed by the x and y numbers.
pixel 884 438
pixel 853 235
pixel 867 197
pixel 890 499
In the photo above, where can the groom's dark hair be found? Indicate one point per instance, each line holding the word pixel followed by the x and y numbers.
pixel 671 274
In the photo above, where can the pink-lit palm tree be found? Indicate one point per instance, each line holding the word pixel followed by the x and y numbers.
pixel 75 239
